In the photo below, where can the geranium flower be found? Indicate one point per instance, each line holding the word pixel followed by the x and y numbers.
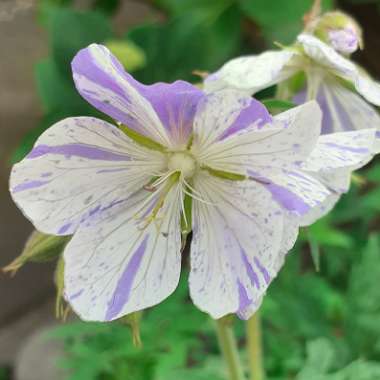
pixel 125 192
pixel 341 88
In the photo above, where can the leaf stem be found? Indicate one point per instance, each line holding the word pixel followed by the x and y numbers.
pixel 255 351
pixel 228 346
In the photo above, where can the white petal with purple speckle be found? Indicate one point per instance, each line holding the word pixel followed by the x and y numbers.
pixel 77 168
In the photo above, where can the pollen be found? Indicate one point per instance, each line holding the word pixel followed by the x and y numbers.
pixel 182 162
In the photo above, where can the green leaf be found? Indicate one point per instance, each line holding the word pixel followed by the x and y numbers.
pixel 56 90
pixel 46 7
pixel 364 298
pixel 280 20
pixel 71 31
pixel 174 50
pixel 109 7
pixel 320 359
pixel 326 234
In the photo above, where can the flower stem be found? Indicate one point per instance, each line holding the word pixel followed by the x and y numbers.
pixel 227 344
pixel 255 351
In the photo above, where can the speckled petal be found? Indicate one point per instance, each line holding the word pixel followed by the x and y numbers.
pixel 124 262
pixel 343 150
pixel 237 246
pixel 282 142
pixel 77 168
pixel 343 110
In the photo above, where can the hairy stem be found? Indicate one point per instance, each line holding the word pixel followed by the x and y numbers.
pixel 227 344
pixel 255 351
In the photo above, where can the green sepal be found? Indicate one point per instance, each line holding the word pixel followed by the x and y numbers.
pixel 133 321
pixel 225 175
pixel 314 250
pixel 142 140
pixel 61 309
pixel 38 248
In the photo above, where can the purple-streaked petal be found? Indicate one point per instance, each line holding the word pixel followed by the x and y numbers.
pixel 294 190
pixel 162 112
pixel 124 262
pixel 285 142
pixel 343 150
pixel 325 55
pixel 238 245
pixel 343 110
pixel 320 211
pixel 251 74
pixel 77 168
pixel 367 87
pixel 225 114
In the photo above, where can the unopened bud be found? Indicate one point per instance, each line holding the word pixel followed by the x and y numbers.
pixel 340 31
pixel 38 248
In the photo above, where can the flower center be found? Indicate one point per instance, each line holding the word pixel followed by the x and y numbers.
pixel 182 162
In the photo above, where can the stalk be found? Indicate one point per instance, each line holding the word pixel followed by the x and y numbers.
pixel 227 344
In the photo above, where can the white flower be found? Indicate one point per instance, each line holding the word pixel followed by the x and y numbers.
pixel 329 76
pixel 122 194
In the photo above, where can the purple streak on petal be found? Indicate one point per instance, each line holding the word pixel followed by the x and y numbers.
pixel 263 270
pixel 288 199
pixel 348 148
pixel 76 295
pixel 77 150
pixel 64 229
pixel 343 115
pixel 254 113
pixel 251 273
pixel 28 186
pixel 244 301
pixel 327 121
pixel 174 103
pixel 84 66
pixel 124 286
pixel 48 174
pixel 285 197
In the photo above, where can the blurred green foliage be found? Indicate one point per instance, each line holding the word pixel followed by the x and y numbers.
pixel 317 326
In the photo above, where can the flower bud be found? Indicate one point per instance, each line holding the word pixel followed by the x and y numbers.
pixel 38 248
pixel 340 31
